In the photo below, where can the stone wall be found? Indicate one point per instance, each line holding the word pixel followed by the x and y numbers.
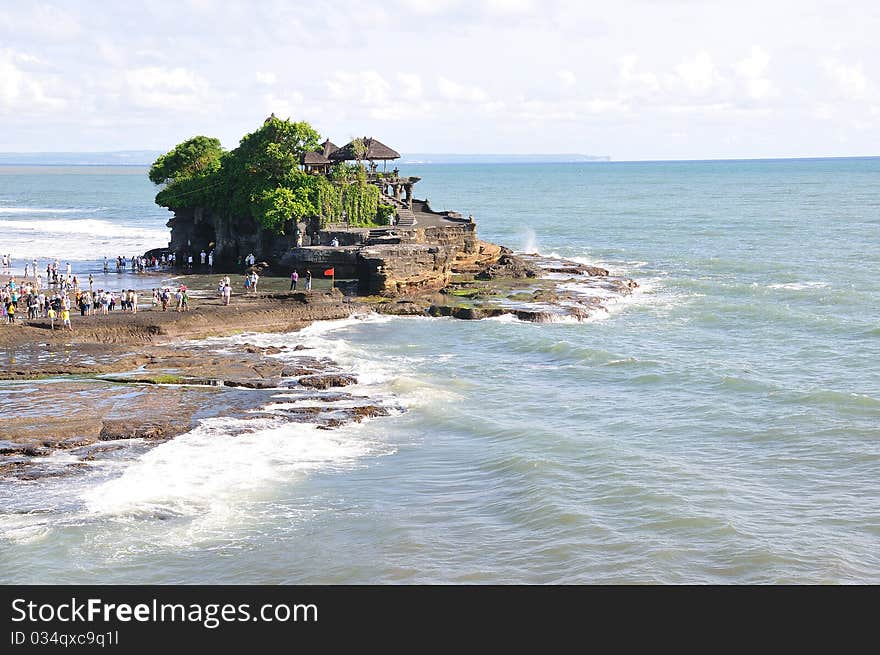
pixel 397 270
pixel 421 261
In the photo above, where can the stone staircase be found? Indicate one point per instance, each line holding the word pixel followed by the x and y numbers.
pixel 378 236
pixel 405 218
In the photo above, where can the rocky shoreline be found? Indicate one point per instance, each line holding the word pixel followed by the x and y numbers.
pixel 126 381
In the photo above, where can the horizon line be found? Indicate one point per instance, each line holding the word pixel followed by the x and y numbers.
pixel 585 158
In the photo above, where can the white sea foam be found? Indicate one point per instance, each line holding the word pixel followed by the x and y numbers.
pixel 90 226
pixel 504 318
pixel 213 477
pixel 799 286
pixel 48 210
pixel 76 239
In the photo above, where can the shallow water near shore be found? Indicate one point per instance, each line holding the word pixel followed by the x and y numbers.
pixel 721 425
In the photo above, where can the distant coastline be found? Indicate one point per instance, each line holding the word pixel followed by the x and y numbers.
pixel 144 158
pixel 147 157
pixel 139 158
pixel 453 158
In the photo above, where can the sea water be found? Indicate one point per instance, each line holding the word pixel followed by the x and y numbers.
pixel 722 425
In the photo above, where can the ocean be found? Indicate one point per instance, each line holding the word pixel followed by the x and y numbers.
pixel 719 426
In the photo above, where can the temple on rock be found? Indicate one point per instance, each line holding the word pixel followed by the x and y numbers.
pixel 393 246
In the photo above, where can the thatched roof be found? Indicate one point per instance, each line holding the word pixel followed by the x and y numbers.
pixel 328 148
pixel 375 150
pixel 314 159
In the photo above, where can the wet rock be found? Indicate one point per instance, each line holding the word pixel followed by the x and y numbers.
pixel 579 314
pixel 331 423
pixel 367 411
pixel 577 269
pixel 301 412
pixel 267 350
pixel 99 452
pixel 73 442
pixel 253 383
pixel 332 397
pixel 27 450
pixel 327 380
pixel 113 429
pixel 534 316
pixel 509 266
pixel 545 296
pixel 294 371
pixel 466 313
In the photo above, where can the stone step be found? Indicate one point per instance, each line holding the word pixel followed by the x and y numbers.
pixel 391 200
pixel 405 218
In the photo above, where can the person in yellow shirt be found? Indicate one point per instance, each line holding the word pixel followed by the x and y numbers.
pixel 65 319
pixel 52 316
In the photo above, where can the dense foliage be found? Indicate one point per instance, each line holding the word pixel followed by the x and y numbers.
pixel 196 157
pixel 261 178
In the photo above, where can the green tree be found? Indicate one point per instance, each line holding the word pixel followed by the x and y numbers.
pixel 281 204
pixel 261 179
pixel 275 150
pixel 359 148
pixel 199 156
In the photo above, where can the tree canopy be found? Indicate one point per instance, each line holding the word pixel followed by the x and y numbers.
pixel 261 178
pixel 195 157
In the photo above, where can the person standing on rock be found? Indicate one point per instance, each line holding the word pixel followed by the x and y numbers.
pixel 294 277
pixel 65 319
pixel 211 260
pixel 202 256
pixel 308 280
pixel 227 293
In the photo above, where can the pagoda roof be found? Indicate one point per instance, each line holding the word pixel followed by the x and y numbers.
pixel 375 150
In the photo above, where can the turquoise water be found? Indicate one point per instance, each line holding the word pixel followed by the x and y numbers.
pixel 719 427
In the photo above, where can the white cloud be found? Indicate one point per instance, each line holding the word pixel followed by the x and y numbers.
pixel 454 91
pixel 566 78
pixel 850 81
pixel 429 7
pixel 634 82
pixel 266 77
pixel 410 85
pixel 46 20
pixel 287 105
pixel 24 90
pixel 363 88
pixel 505 7
pixel 698 73
pixel 180 89
pixel 753 70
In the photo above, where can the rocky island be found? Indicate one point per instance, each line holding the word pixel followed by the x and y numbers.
pixel 281 201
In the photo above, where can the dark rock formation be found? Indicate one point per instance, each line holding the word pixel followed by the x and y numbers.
pixel 328 380
pixel 509 266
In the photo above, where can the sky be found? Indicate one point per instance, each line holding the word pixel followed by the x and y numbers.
pixel 630 79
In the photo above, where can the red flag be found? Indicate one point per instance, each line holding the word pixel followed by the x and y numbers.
pixel 329 272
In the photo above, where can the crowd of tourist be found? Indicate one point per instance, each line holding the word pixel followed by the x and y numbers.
pixel 64 292
pixel 28 300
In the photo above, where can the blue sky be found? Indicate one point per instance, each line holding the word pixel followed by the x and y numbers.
pixel 633 79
